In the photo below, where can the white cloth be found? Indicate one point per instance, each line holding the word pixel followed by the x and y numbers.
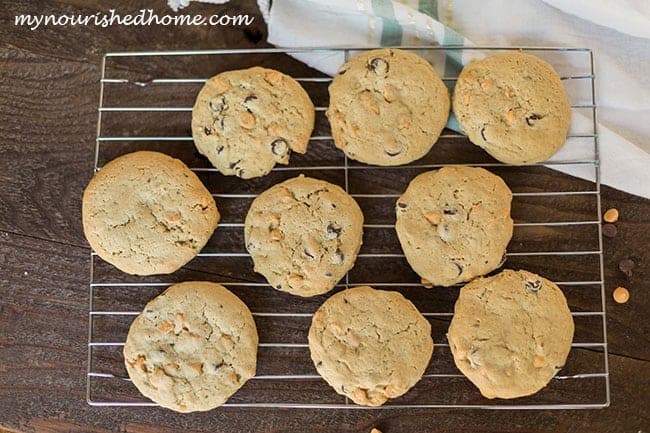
pixel 621 51
pixel 180 4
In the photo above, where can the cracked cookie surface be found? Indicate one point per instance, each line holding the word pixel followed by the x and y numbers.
pixel 303 235
pixel 192 347
pixel 514 106
pixel 370 345
pixel 511 333
pixel 147 213
pixel 246 121
pixel 387 107
pixel 454 224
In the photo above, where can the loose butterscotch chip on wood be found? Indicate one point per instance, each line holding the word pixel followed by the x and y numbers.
pixel 621 295
pixel 611 215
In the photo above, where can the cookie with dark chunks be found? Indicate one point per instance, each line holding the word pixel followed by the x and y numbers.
pixel 387 107
pixel 147 213
pixel 192 347
pixel 304 235
pixel 246 121
pixel 511 333
pixel 514 106
pixel 370 345
pixel 454 224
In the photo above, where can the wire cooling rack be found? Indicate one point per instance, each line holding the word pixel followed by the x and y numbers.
pixel 557 233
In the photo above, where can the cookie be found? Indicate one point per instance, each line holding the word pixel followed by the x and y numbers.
pixel 387 107
pixel 303 235
pixel 511 333
pixel 246 121
pixel 514 106
pixel 370 345
pixel 147 213
pixel 454 224
pixel 192 347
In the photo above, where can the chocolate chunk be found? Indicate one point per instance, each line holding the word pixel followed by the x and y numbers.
pixel 402 205
pixel 626 267
pixel 609 230
pixel 319 363
pixel 217 366
pixel 346 300
pixel 233 164
pixel 207 130
pixel 338 257
pixel 450 211
pixel 279 287
pixel 333 231
pixel 219 149
pixel 534 286
pixel 378 66
pixel 530 120
pixel 248 99
pixel 279 147
pixel 395 153
pixel 459 267
pixel 217 106
pixel 222 122
pixel 483 133
pixel 307 253
pixel 328 274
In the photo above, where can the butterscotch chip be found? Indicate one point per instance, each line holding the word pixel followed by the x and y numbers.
pixel 611 216
pixel 454 224
pixel 147 213
pixel 387 107
pixel 303 235
pixel 379 349
pixel 511 333
pixel 621 295
pixel 246 121
pixel 180 371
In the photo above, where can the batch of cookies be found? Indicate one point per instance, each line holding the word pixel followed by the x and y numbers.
pixel 195 345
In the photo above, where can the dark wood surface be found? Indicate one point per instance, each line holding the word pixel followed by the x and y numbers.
pixel 48 100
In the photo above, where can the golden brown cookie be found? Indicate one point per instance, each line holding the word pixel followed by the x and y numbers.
pixel 370 345
pixel 304 235
pixel 387 107
pixel 514 106
pixel 454 224
pixel 511 333
pixel 147 213
pixel 246 121
pixel 192 347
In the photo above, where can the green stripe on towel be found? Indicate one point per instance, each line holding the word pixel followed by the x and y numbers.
pixel 391 30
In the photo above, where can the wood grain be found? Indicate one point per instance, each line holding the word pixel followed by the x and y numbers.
pixel 48 99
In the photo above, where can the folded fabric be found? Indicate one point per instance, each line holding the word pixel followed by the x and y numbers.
pixel 180 4
pixel 370 23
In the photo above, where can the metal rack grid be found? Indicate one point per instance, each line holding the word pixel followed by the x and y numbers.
pixel 572 398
